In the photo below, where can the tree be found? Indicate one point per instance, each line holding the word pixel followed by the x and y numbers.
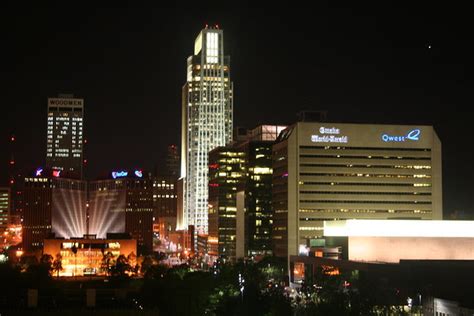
pixel 107 262
pixel 146 264
pixel 47 262
pixel 122 267
pixel 74 251
pixel 58 264
pixel 132 261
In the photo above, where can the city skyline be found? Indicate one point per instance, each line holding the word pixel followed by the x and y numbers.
pixel 375 72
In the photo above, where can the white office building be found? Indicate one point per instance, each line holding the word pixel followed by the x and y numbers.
pixel 207 116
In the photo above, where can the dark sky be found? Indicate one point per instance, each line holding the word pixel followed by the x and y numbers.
pixel 362 64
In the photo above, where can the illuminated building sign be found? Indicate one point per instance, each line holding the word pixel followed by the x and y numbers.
pixel 139 173
pixel 56 173
pixel 328 135
pixel 65 102
pixel 119 174
pixel 332 130
pixel 413 135
pixel 39 171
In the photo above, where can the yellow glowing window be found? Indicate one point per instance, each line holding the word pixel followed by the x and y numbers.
pixel 114 245
pixel 262 170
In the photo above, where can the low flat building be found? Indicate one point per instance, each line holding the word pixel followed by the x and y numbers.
pixel 390 241
pixel 85 256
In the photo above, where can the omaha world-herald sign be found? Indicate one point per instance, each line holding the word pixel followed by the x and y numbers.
pixel 329 135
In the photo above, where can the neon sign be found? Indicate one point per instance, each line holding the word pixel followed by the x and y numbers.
pixel 39 172
pixel 413 135
pixel 119 174
pixel 139 173
pixel 56 173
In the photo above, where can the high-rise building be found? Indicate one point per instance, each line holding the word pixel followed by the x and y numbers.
pixel 327 171
pixel 5 206
pixel 172 161
pixel 258 215
pixel 52 206
pixel 164 205
pixel 240 194
pixel 123 203
pixel 226 177
pixel 207 122
pixel 64 146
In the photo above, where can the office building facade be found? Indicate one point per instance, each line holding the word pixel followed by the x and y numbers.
pixel 207 122
pixel 254 239
pixel 64 146
pixel 240 194
pixel 52 206
pixel 227 174
pixel 172 161
pixel 165 197
pixel 123 203
pixel 351 171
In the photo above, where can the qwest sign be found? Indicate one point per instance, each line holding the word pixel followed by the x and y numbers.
pixel 329 135
pixel 413 135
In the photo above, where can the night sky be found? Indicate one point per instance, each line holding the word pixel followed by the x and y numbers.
pixel 377 64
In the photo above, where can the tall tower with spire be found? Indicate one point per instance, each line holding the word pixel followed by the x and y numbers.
pixel 207 121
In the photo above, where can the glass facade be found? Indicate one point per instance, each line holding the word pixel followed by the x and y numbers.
pixel 227 174
pixel 258 199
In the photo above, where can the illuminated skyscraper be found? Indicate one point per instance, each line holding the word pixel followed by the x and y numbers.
pixel 207 121
pixel 64 147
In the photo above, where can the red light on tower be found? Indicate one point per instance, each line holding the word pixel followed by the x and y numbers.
pixel 85 161
pixel 12 138
pixel 12 181
pixel 85 141
pixel 12 162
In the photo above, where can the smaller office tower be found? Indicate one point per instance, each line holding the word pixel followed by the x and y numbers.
pixel 257 191
pixel 226 177
pixel 123 203
pixel 64 145
pixel 164 205
pixel 52 206
pixel 172 161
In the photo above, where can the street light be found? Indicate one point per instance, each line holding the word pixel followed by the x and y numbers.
pixel 241 284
